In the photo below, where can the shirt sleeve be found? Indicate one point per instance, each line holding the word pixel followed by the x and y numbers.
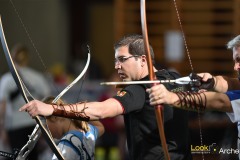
pixel 234 97
pixel 132 98
pixel 94 131
pixel 67 150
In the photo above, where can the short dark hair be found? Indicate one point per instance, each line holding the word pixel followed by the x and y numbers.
pixel 135 45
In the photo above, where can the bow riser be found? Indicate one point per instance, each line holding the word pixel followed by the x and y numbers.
pixel 152 76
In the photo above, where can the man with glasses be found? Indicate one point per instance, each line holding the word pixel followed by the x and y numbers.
pixel 223 92
pixel 133 103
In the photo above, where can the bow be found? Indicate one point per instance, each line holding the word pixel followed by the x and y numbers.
pixel 34 137
pixel 152 76
pixel 20 86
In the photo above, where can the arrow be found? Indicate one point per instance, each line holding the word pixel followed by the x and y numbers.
pixel 183 80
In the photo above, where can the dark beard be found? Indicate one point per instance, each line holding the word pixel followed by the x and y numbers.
pixel 238 73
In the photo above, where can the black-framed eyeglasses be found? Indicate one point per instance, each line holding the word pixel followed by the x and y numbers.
pixel 122 59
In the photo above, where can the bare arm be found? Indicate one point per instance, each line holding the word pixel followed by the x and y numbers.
pixel 95 110
pixel 218 102
pixel 222 83
pixel 232 83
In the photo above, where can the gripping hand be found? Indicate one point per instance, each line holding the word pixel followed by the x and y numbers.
pixel 197 83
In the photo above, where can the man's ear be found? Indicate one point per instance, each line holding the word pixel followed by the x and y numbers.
pixel 143 60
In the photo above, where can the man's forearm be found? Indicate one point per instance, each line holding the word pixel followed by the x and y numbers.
pixel 86 111
pixel 224 84
pixel 221 84
pixel 232 83
pixel 218 102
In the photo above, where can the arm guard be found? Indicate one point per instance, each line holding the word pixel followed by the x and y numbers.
pixel 60 111
pixel 192 101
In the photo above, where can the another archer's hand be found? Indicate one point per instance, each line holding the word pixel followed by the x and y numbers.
pixel 158 94
pixel 207 81
pixel 37 107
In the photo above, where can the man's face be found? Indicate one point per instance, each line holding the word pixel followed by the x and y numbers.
pixel 129 66
pixel 236 59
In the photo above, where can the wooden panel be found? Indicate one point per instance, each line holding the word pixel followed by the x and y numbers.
pixel 186 5
pixel 207 5
pixel 187 17
pixel 190 29
pixel 210 54
pixel 195 41
pixel 206 17
pixel 213 67
pixel 208 29
pixel 207 24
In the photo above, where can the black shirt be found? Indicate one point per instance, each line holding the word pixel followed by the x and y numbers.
pixel 141 125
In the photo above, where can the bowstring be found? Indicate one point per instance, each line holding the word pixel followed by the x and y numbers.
pixel 25 88
pixel 31 40
pixel 183 35
pixel 190 62
pixel 78 97
pixel 83 80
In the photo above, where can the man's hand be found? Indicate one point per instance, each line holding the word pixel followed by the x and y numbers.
pixel 207 81
pixel 37 107
pixel 158 94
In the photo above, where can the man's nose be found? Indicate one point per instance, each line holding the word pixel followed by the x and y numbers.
pixel 236 67
pixel 117 65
